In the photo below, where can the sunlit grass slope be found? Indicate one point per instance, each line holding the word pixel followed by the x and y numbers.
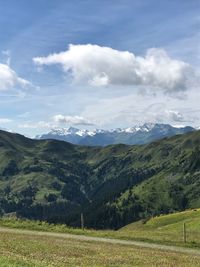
pixel 168 228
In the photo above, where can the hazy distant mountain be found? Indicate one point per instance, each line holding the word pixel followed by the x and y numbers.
pixel 133 135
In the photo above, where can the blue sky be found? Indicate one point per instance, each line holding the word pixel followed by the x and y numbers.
pixel 93 84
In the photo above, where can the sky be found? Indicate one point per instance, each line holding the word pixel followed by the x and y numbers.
pixel 98 64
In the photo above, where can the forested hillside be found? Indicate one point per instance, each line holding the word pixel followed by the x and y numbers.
pixel 115 185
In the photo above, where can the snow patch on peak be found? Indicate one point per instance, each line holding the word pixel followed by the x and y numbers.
pixel 148 126
pixel 143 128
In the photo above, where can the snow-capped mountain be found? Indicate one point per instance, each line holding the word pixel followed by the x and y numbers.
pixel 132 135
pixel 70 131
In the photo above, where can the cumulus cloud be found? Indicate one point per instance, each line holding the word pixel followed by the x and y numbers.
pixel 9 78
pixel 175 115
pixel 102 66
pixel 74 120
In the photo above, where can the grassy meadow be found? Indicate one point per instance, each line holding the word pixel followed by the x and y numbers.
pixel 34 250
pixel 164 229
pixel 18 250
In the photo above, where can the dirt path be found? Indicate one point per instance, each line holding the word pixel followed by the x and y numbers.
pixel 195 252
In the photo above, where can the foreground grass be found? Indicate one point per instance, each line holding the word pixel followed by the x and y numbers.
pixel 40 251
pixel 166 229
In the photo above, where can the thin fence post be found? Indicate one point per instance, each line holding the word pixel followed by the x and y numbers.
pixel 82 221
pixel 184 233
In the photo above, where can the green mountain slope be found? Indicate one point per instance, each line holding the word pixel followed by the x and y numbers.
pixel 113 186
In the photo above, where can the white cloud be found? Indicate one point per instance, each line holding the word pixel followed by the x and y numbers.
pixel 9 78
pixel 133 109
pixel 37 125
pixel 5 120
pixel 174 115
pixel 101 66
pixel 56 121
pixel 73 120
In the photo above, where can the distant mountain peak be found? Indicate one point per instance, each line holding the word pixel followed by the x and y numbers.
pixel 140 134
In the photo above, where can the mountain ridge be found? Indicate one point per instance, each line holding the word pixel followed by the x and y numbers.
pixel 143 134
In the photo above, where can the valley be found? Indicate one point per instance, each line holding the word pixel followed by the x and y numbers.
pixel 56 181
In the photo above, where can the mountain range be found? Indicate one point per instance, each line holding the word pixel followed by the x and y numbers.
pixel 130 136
pixel 112 186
